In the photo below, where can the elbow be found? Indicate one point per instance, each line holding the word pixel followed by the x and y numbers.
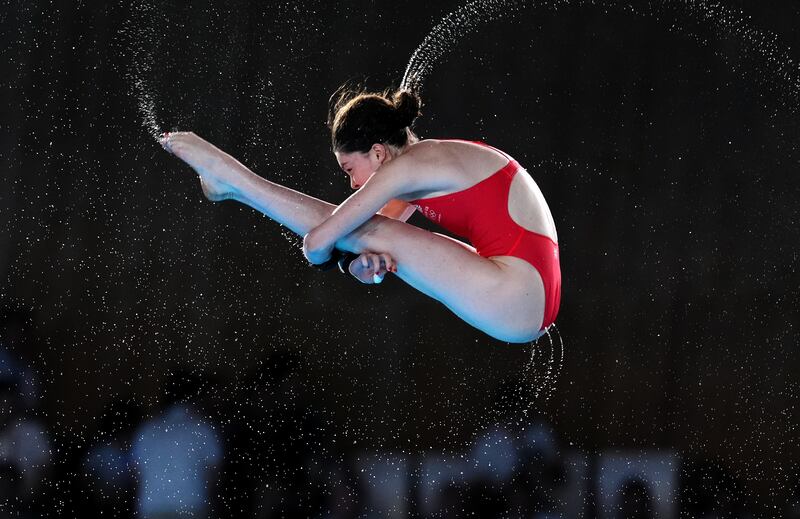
pixel 314 250
pixel 308 246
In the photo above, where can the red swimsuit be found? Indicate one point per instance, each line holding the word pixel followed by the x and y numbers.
pixel 479 213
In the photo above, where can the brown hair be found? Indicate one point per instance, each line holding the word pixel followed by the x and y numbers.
pixel 358 119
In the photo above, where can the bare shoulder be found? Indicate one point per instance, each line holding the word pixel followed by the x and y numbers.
pixel 424 167
pixel 434 167
pixel 430 154
pixel 468 158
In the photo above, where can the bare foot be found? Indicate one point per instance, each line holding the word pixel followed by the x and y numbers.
pixel 217 178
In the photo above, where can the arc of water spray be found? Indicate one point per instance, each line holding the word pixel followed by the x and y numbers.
pixel 779 68
pixel 544 367
pixel 453 27
pixel 139 30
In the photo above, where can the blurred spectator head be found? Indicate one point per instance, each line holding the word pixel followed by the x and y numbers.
pixel 494 454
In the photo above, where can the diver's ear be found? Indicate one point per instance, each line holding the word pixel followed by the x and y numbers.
pixel 380 152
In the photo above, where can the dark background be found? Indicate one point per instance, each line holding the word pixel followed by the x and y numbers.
pixel 667 150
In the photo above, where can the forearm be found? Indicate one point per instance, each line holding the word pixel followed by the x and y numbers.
pixel 317 249
pixel 290 208
pixel 299 212
pixel 350 216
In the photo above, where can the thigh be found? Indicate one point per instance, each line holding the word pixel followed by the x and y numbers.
pixel 458 242
pixel 503 296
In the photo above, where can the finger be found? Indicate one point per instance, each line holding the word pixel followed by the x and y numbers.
pixel 375 260
pixel 376 278
pixel 386 261
pixel 390 264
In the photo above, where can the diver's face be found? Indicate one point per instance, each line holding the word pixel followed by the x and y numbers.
pixel 359 166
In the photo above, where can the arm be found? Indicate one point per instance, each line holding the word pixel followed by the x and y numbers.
pixel 357 209
pixel 393 180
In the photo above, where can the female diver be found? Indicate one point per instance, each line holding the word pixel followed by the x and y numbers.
pixel 508 285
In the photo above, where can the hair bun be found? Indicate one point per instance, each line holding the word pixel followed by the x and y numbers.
pixel 407 107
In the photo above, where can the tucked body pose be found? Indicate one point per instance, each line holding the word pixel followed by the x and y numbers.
pixel 506 282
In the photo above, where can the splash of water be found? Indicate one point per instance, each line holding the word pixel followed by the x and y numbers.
pixel 142 68
pixel 147 109
pixel 775 69
pixel 447 33
pixel 542 371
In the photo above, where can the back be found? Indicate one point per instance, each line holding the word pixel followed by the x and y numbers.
pixel 469 167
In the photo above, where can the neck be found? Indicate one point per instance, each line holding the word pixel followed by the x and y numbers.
pixel 412 139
